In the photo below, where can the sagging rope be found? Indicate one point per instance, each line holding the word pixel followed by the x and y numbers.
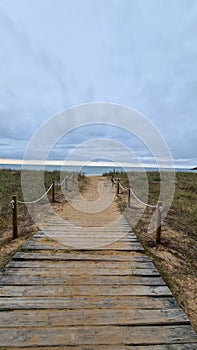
pixel 139 200
pixel 37 200
pixel 65 179
pixel 122 188
pixel 15 201
pixel 44 195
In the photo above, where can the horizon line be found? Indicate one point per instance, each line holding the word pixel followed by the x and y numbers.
pixel 4 161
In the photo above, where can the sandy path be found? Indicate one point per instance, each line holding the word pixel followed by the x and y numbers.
pixel 91 196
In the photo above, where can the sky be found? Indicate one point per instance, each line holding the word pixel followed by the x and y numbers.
pixel 56 54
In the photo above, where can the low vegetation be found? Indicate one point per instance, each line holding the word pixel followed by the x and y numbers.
pixel 183 212
pixel 10 184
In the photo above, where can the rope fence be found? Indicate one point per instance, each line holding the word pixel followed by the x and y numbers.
pixel 122 188
pixel 65 180
pixel 39 199
pixel 14 202
pixel 143 203
pixel 158 207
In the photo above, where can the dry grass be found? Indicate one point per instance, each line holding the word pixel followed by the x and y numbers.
pixel 10 184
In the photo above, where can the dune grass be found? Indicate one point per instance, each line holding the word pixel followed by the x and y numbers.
pixel 183 212
pixel 10 184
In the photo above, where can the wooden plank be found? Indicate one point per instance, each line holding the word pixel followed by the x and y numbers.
pixel 81 264
pixel 83 317
pixel 54 236
pixel 114 300
pixel 77 289
pixel 79 271
pixel 81 280
pixel 57 237
pixel 89 231
pixel 118 246
pixel 74 256
pixel 119 236
pixel 72 224
pixel 102 234
pixel 190 346
pixel 109 335
pixel 86 232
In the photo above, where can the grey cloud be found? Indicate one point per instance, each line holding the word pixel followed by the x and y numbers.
pixel 12 148
pixel 186 145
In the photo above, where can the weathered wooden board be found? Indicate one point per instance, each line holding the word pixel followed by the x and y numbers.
pixel 76 289
pixel 89 301
pixel 84 240
pixel 81 264
pixel 116 234
pixel 106 234
pixel 86 278
pixel 75 224
pixel 105 231
pixel 82 232
pixel 190 346
pixel 91 335
pixel 57 237
pixel 84 317
pixel 75 255
pixel 77 271
pixel 118 246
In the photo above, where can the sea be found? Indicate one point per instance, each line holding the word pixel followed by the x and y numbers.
pixel 92 170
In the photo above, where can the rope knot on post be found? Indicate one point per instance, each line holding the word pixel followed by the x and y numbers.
pixel 14 216
pixel 129 198
pixel 158 229
pixel 118 187
pixel 158 207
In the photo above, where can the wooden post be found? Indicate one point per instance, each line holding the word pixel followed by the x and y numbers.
pixel 53 192
pixel 158 229
pixel 14 216
pixel 129 198
pixel 118 187
pixel 66 183
pixel 73 178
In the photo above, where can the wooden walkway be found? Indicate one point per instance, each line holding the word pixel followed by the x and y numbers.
pixel 104 298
